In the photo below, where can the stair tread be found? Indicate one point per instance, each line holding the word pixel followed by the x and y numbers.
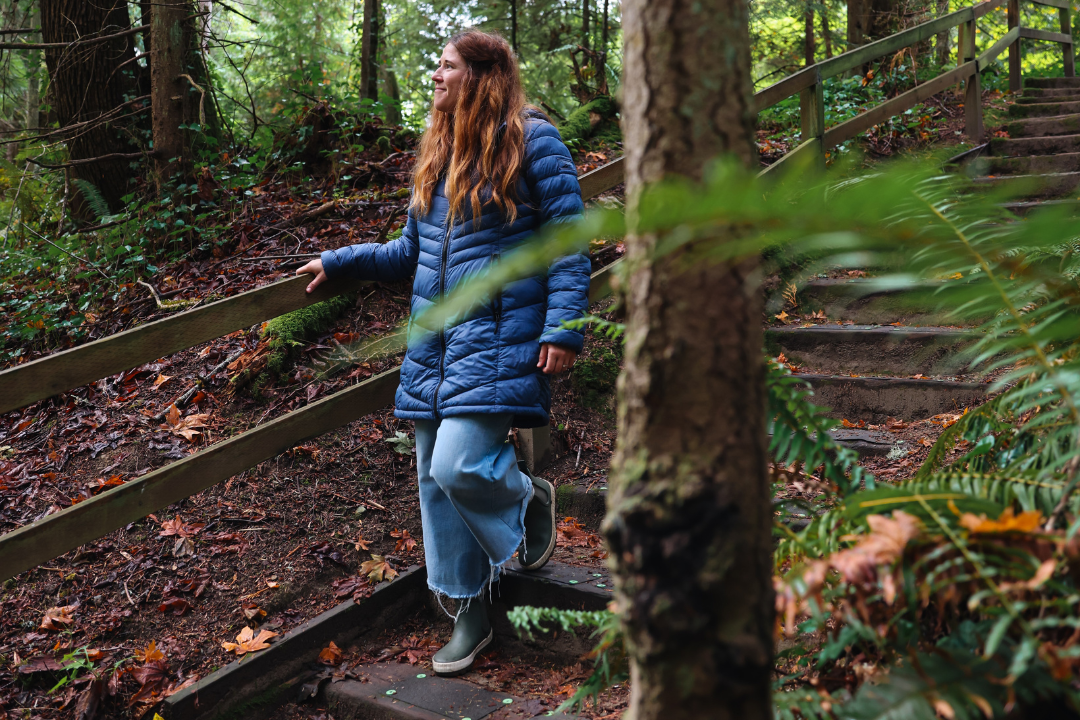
pixel 856 329
pixel 399 690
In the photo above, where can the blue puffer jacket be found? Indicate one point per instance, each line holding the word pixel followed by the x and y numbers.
pixel 486 363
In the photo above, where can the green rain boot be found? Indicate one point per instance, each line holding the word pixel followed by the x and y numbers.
pixel 539 541
pixel 472 633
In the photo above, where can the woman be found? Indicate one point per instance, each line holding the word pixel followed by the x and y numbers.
pixel 490 172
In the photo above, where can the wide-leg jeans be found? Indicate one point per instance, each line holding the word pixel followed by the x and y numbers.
pixel 472 500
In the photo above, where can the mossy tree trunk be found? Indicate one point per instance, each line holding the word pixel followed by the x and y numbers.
pixel 369 50
pixel 175 91
pixel 689 519
pixel 84 86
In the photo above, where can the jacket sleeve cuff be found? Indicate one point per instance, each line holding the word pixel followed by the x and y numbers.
pixel 570 339
pixel 331 264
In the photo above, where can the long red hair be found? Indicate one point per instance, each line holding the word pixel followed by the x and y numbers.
pixel 467 144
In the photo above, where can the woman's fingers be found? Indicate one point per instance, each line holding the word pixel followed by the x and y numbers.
pixel 313 268
pixel 554 359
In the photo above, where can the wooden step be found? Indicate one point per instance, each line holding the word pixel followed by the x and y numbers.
pixel 1026 165
pixel 1059 82
pixel 1063 95
pixel 1023 208
pixel 1044 109
pixel 1042 127
pixel 1016 147
pixel 875 399
pixel 873 349
pixel 866 302
pixel 1050 185
pixel 1032 92
pixel 396 691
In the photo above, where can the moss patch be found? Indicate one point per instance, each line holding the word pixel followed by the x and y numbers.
pixel 594 375
pixel 286 334
pixel 579 126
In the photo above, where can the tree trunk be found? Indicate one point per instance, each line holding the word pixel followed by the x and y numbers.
pixel 825 34
pixel 369 46
pixel 689 515
pixel 83 87
pixel 175 99
pixel 585 9
pixel 513 28
pixel 856 23
pixel 33 65
pixel 602 69
pixel 941 45
pixel 810 46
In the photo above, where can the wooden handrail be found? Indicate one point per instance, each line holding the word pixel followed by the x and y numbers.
pixel 27 383
pixel 56 534
pixel 809 81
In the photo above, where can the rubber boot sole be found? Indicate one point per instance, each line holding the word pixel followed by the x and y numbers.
pixel 554 534
pixel 458 667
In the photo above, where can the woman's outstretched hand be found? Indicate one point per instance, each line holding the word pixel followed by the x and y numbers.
pixel 314 268
pixel 554 358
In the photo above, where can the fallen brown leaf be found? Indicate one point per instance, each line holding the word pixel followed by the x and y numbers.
pixel 247 641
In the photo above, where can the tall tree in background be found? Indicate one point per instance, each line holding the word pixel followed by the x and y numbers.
pixel 85 88
pixel 585 12
pixel 179 92
pixel 689 516
pixel 809 46
pixel 369 50
pixel 33 66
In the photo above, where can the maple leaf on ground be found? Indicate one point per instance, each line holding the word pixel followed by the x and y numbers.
pixel 1025 522
pixel 162 379
pixel 103 484
pixel 178 527
pixel 324 551
pixel 404 540
pixel 58 618
pixel 184 427
pixel 356 585
pixel 251 610
pixel 247 641
pixel 175 605
pixel 894 424
pixel 330 655
pixel 151 653
pixel 361 543
pixel 378 569
pixel 571 533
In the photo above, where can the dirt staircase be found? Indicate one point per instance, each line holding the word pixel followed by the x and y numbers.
pixel 1042 151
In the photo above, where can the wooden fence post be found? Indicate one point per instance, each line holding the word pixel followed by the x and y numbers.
pixel 1014 49
pixel 973 119
pixel 534 447
pixel 812 112
pixel 1068 59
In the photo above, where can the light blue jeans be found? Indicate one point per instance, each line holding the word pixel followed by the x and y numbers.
pixel 472 500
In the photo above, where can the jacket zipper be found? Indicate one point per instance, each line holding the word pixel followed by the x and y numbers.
pixel 442 327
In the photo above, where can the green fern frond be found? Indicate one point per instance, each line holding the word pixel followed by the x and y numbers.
pixel 93 197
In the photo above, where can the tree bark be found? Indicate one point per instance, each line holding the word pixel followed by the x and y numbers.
pixel 83 86
pixel 689 516
pixel 825 34
pixel 175 99
pixel 369 46
pixel 941 44
pixel 810 46
pixel 33 64
pixel 513 28
pixel 585 11
pixel 856 23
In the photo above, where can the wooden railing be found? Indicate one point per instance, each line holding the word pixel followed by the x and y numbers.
pixel 22 385
pixel 809 82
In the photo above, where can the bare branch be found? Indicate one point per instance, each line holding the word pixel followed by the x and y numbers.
pixel 80 41
pixel 20 31
pixel 89 161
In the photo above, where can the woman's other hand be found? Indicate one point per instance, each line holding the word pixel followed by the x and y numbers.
pixel 314 268
pixel 554 359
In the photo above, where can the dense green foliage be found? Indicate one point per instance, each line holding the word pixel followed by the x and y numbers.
pixel 957 586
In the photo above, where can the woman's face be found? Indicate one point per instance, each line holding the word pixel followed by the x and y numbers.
pixel 448 77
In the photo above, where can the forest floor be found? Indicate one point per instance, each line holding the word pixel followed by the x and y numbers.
pixel 139 614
